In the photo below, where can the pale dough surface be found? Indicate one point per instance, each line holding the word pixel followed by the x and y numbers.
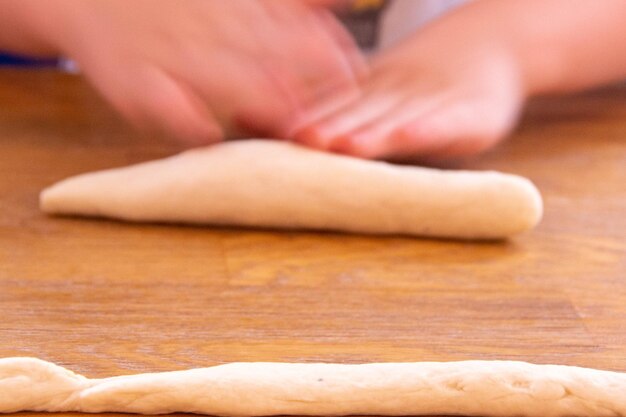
pixel 279 185
pixel 470 388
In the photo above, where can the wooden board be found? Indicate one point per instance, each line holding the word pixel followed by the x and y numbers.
pixel 106 298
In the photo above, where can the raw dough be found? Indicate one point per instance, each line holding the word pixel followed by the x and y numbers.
pixel 276 184
pixel 471 388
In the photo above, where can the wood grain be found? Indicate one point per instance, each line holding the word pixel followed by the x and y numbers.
pixel 107 298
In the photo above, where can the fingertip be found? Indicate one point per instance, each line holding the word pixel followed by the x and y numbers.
pixel 205 133
pixel 313 136
pixel 417 136
pixel 441 137
pixel 189 120
pixel 342 144
pixel 359 146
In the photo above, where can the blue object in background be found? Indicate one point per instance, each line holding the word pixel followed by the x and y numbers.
pixel 22 61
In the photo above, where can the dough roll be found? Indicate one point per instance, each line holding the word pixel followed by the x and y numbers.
pixel 470 388
pixel 279 185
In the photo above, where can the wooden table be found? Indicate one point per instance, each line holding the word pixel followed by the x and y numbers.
pixel 106 298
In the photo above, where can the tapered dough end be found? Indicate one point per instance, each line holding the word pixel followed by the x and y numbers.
pixel 35 385
pixel 54 199
pixel 49 200
pixel 71 196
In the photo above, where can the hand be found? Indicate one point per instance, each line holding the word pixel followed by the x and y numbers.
pixel 192 67
pixel 451 91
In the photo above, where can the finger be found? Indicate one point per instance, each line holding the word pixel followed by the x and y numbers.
pixel 380 86
pixel 450 131
pixel 374 139
pixel 311 57
pixel 181 113
pixel 151 100
pixel 298 126
pixel 240 91
pixel 423 136
pixel 355 58
pixel 343 122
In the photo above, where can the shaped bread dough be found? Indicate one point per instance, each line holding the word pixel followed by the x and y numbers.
pixel 471 388
pixel 280 185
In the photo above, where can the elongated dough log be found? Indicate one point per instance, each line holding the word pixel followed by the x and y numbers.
pixel 276 184
pixel 470 388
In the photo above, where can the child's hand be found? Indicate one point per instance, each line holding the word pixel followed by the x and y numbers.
pixel 190 66
pixel 449 92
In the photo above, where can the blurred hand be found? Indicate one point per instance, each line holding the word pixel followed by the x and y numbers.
pixel 452 90
pixel 195 67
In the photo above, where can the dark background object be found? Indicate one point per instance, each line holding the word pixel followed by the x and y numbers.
pixel 365 25
pixel 20 61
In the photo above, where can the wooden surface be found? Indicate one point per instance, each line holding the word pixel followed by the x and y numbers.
pixel 107 298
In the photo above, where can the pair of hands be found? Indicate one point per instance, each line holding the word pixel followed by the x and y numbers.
pixel 200 70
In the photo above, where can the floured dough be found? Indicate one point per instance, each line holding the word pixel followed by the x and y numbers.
pixel 280 185
pixel 471 388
